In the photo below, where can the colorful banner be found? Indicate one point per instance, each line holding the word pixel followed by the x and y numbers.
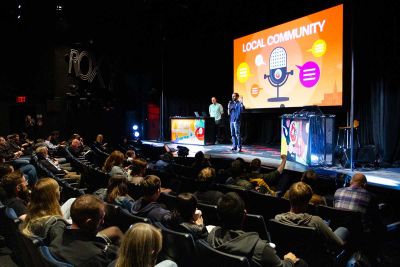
pixel 295 64
pixel 295 140
pixel 188 131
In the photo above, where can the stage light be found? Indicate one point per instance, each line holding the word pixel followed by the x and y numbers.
pixel 19 6
pixel 135 127
pixel 136 134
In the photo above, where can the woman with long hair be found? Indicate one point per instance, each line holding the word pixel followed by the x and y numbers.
pixel 140 247
pixel 117 192
pixel 44 217
pixel 113 164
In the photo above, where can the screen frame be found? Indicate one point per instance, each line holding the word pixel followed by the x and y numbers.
pixel 346 62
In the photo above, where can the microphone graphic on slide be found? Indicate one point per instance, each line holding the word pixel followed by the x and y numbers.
pixel 278 73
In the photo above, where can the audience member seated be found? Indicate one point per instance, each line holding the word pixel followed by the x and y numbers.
pixel 76 148
pixel 299 196
pixel 239 177
pixel 200 162
pixel 356 197
pixel 22 141
pixel 147 205
pixel 263 182
pixel 99 143
pixel 17 143
pixel 117 192
pixel 53 143
pixel 164 163
pixel 140 248
pixel 81 244
pixel 113 164
pixel 9 150
pixel 16 158
pixel 205 180
pixel 310 177
pixel 137 171
pixel 44 217
pixel 17 193
pixel 187 218
pixel 130 155
pixel 5 169
pixel 231 239
pixel 53 166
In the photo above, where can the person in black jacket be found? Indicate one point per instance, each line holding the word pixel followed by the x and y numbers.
pixel 231 239
pixel 187 218
pixel 82 244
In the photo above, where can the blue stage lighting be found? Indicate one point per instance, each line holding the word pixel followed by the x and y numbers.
pixel 135 127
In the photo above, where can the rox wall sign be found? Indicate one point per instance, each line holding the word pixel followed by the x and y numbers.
pixel 93 69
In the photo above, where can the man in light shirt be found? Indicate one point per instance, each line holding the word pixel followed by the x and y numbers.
pixel 216 110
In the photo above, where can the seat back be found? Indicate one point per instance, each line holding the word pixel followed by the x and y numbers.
pixel 256 223
pixel 96 179
pixel 31 249
pixel 266 205
pixel 168 200
pixel 9 228
pixel 209 256
pixel 135 191
pixel 116 216
pixel 243 193
pixel 303 241
pixel 50 259
pixel 69 191
pixel 178 247
pixel 341 217
pixel 209 213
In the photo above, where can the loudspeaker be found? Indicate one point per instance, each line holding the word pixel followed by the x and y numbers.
pixel 366 154
pixel 361 156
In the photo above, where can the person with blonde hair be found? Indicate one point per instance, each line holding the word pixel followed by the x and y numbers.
pixel 44 217
pixel 113 164
pixel 140 247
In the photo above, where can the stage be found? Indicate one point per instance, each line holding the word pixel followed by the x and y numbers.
pixel 270 157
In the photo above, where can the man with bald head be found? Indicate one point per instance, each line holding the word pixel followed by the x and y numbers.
pixel 355 197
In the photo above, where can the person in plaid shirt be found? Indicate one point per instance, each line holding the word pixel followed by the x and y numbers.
pixel 355 197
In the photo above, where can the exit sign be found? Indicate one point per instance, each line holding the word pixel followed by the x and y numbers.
pixel 20 99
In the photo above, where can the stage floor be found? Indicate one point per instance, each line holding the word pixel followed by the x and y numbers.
pixel 270 157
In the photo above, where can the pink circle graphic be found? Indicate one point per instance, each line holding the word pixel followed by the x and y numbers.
pixel 309 74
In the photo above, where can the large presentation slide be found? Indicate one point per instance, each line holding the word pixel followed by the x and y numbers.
pixel 295 64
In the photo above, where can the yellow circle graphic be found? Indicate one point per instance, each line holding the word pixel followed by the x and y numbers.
pixel 243 72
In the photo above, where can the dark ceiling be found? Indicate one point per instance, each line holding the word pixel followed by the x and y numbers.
pixel 153 19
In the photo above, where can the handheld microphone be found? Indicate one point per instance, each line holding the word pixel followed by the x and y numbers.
pixel 278 73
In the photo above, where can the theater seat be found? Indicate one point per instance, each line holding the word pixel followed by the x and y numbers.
pixel 209 256
pixel 50 259
pixel 178 247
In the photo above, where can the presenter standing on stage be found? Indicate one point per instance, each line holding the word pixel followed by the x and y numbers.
pixel 216 110
pixel 235 108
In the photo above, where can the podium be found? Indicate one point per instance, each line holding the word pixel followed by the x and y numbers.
pixel 308 138
pixel 193 130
